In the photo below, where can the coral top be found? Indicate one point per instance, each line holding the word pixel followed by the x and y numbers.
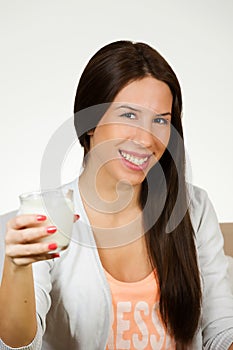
pixel 136 321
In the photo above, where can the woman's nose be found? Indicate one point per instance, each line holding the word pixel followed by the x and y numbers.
pixel 144 136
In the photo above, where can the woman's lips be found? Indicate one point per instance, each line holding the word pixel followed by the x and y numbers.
pixel 134 160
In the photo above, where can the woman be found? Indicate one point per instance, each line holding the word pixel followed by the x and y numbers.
pixel 145 268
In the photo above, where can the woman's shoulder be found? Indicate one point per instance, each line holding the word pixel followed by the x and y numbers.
pixel 196 195
pixel 201 210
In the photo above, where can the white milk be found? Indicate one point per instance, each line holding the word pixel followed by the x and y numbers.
pixel 59 211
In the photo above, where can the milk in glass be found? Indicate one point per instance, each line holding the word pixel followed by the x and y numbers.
pixel 58 207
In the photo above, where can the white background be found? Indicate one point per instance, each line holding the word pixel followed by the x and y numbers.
pixel 46 44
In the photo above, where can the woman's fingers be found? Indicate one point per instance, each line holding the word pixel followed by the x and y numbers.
pixel 28 235
pixel 24 261
pixel 22 240
pixel 25 220
pixel 30 250
pixel 23 245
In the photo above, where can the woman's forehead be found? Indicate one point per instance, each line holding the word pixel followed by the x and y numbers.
pixel 147 93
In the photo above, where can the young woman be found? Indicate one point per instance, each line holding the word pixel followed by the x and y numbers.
pixel 145 268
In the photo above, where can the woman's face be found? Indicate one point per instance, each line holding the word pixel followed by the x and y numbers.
pixel 134 132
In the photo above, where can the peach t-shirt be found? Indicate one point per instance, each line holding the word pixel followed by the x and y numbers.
pixel 136 322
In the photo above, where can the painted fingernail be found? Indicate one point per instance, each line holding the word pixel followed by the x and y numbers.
pixel 51 229
pixel 52 246
pixel 56 255
pixel 76 217
pixel 41 218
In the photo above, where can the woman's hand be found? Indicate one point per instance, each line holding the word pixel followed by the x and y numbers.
pixel 22 240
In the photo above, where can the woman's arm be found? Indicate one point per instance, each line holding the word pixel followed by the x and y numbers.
pixel 217 312
pixel 18 322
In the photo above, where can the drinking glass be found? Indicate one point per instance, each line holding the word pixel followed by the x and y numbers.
pixel 57 206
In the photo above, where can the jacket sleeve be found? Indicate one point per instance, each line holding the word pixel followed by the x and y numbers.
pixel 41 272
pixel 217 304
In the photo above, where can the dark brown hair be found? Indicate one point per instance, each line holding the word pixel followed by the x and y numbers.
pixel 172 255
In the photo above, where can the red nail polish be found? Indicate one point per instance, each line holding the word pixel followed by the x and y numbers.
pixel 41 218
pixel 56 255
pixel 52 246
pixel 76 217
pixel 51 229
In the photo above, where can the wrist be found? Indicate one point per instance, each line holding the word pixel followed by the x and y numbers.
pixel 12 267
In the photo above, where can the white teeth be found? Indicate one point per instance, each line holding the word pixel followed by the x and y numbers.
pixel 134 160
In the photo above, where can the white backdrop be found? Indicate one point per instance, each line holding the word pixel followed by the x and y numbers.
pixel 44 47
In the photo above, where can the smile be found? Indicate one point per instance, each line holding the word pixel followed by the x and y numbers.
pixel 138 160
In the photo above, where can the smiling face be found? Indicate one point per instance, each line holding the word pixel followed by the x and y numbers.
pixel 134 132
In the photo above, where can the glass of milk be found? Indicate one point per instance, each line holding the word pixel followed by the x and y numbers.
pixel 57 206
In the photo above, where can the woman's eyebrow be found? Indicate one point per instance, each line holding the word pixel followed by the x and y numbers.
pixel 138 110
pixel 162 114
pixel 129 107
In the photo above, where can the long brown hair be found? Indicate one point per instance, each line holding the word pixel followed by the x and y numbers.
pixel 172 255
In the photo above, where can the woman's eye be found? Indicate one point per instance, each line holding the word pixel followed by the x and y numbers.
pixel 128 115
pixel 161 121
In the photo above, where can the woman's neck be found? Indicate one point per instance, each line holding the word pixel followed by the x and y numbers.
pixel 104 194
pixel 112 208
